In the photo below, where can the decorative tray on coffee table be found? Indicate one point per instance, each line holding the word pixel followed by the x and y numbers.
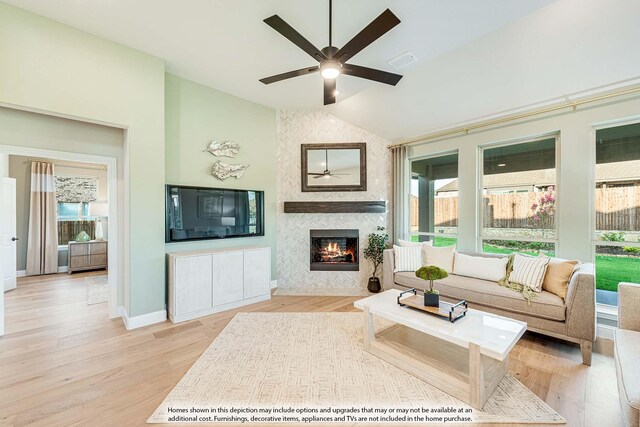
pixel 447 310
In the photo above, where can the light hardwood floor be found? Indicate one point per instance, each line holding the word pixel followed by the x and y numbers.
pixel 63 363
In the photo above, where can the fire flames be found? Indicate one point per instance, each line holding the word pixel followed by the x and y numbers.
pixel 334 253
pixel 333 249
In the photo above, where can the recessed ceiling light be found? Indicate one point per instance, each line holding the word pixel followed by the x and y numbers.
pixel 336 93
pixel 501 165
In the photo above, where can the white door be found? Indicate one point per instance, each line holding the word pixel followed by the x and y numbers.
pixel 257 272
pixel 8 236
pixel 2 268
pixel 227 278
pixel 193 276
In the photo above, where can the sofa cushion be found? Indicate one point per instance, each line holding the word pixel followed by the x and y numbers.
pixel 545 305
pixel 407 243
pixel 407 258
pixel 529 271
pixel 492 269
pixel 559 272
pixel 626 347
pixel 440 256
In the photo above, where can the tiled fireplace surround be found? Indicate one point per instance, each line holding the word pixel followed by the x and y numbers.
pixel 296 127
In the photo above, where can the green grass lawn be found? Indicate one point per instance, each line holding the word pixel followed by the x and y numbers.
pixel 499 250
pixel 610 270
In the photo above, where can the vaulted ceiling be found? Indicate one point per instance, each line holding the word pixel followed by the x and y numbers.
pixel 225 45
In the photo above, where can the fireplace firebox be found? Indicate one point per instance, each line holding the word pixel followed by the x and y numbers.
pixel 334 250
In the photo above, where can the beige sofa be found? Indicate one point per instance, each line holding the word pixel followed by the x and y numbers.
pixel 627 352
pixel 572 320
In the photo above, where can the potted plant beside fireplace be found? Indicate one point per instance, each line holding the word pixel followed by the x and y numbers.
pixel 431 273
pixel 376 244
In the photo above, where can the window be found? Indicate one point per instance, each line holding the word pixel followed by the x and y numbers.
pixel 72 210
pixel 72 219
pixel 253 211
pixel 617 210
pixel 519 197
pixel 434 200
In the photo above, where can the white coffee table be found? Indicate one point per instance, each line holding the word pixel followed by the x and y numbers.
pixel 466 359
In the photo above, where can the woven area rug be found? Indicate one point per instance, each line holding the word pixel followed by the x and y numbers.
pixel 97 289
pixel 307 360
pixel 328 292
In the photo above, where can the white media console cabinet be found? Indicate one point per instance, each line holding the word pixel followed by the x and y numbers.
pixel 210 281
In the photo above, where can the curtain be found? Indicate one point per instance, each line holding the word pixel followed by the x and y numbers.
pixel 42 243
pixel 400 192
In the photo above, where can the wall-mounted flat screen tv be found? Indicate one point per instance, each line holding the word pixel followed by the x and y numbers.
pixel 198 213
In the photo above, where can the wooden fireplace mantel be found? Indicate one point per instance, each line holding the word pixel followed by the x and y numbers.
pixel 378 206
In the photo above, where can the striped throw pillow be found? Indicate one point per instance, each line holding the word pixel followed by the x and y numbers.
pixel 407 258
pixel 529 271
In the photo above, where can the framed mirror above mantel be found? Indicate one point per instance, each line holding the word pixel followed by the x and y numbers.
pixel 334 167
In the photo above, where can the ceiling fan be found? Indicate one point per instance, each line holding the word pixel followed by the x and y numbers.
pixel 333 61
pixel 327 173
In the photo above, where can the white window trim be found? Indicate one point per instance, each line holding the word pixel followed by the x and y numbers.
pixel 608 312
pixel 425 233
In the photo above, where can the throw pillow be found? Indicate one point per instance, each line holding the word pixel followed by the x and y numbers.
pixel 406 243
pixel 407 258
pixel 559 272
pixel 439 256
pixel 484 268
pixel 529 271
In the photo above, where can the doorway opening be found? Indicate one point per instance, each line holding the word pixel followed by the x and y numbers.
pixel 75 215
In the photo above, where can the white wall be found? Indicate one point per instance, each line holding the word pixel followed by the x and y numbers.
pixel 4 165
pixel 566 47
pixel 575 187
pixel 296 127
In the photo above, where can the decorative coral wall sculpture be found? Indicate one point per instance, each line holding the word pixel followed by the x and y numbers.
pixel 223 149
pixel 222 171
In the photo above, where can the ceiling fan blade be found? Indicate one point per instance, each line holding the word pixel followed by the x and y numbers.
pixel 340 174
pixel 371 74
pixel 317 174
pixel 290 74
pixel 379 26
pixel 295 37
pixel 334 176
pixel 329 91
pixel 316 177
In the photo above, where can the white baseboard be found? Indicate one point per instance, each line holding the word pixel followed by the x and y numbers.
pixel 274 284
pixel 142 320
pixel 605 331
pixel 23 273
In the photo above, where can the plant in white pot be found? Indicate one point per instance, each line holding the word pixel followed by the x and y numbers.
pixel 431 273
pixel 374 251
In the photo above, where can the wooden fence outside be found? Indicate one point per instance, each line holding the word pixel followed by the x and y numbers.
pixel 68 230
pixel 617 208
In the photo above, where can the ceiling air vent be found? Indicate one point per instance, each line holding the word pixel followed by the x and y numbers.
pixel 403 60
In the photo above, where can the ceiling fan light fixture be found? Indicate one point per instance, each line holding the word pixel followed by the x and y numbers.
pixel 330 69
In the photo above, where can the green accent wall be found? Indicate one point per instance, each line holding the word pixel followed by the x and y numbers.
pixel 50 67
pixel 194 116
